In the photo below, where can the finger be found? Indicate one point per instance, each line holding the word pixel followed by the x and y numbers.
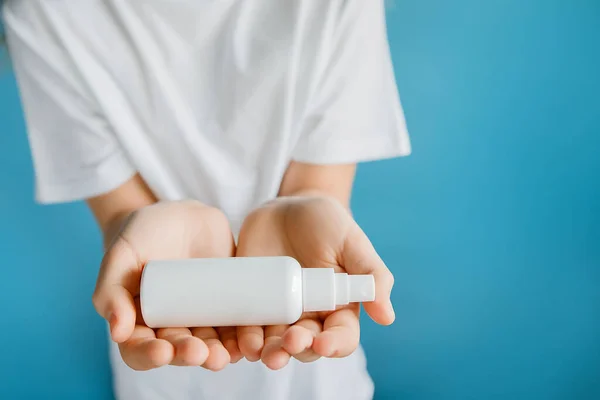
pixel 273 355
pixel 118 281
pixel 116 305
pixel 218 357
pixel 340 336
pixel 359 257
pixel 143 351
pixel 298 339
pixel 228 336
pixel 189 350
pixel 251 341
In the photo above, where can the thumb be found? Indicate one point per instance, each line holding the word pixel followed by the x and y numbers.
pixel 118 279
pixel 359 257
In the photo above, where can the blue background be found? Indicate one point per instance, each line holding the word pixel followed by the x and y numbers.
pixel 492 226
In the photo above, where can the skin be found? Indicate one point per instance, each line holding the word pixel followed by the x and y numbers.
pixel 310 220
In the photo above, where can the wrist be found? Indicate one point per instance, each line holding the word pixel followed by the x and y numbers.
pixel 114 226
pixel 318 194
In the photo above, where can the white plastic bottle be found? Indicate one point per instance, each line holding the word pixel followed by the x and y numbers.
pixel 243 291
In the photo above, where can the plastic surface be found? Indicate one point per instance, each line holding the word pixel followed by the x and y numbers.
pixel 324 290
pixel 242 291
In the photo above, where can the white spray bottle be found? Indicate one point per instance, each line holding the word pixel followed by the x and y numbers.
pixel 240 291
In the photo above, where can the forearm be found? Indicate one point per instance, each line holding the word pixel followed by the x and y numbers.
pixel 112 209
pixel 333 181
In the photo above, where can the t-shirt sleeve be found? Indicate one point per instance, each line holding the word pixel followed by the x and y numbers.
pixel 355 114
pixel 75 154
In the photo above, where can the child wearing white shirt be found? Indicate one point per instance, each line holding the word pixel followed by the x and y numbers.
pixel 214 128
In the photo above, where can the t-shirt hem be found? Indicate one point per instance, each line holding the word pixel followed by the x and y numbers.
pixel 348 151
pixel 101 180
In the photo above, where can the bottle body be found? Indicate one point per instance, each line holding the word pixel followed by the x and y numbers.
pixel 221 292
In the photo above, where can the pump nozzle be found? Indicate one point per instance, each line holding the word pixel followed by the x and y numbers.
pixel 362 288
pixel 323 289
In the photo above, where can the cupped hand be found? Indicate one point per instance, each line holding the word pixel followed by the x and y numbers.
pixel 168 230
pixel 320 233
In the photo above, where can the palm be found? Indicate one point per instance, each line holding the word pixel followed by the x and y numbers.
pixel 314 232
pixel 163 231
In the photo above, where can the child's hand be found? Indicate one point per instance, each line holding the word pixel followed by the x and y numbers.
pixel 163 231
pixel 318 232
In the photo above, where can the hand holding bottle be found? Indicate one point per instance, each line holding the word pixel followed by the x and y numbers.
pixel 320 233
pixel 172 230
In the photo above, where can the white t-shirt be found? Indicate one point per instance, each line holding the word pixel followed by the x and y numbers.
pixel 211 100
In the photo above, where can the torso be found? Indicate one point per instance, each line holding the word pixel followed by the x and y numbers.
pixel 204 106
pixel 206 100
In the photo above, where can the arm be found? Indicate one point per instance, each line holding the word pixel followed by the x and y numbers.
pixel 328 180
pixel 112 208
